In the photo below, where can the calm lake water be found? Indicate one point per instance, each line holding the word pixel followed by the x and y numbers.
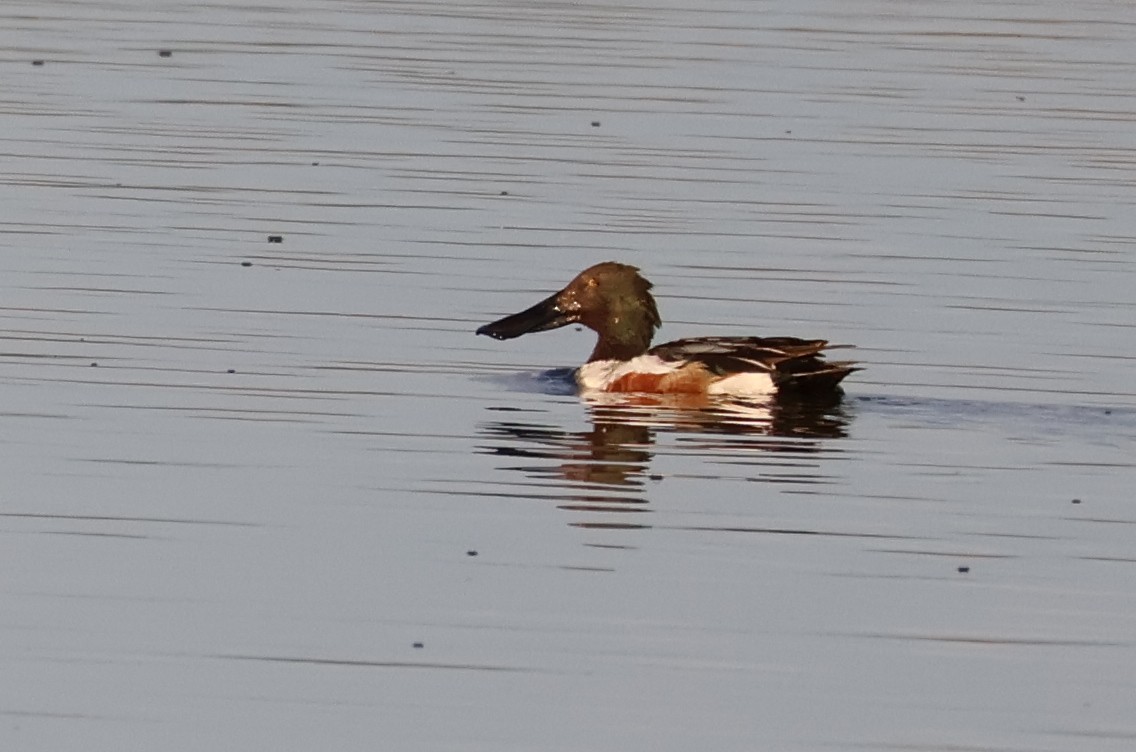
pixel 277 495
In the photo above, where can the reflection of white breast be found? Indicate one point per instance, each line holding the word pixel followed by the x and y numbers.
pixel 674 411
pixel 601 373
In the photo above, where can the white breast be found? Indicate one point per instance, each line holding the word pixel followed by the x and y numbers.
pixel 598 375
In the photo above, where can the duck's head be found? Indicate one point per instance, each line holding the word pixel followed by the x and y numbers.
pixel 611 299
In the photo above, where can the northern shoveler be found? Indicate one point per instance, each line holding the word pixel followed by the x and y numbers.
pixel 615 301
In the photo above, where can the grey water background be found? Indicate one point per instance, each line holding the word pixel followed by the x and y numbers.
pixel 267 495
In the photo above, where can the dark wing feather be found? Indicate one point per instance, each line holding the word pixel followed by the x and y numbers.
pixel 794 364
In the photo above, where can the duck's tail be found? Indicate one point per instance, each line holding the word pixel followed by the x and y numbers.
pixel 817 377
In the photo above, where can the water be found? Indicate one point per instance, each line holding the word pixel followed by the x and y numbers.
pixel 277 495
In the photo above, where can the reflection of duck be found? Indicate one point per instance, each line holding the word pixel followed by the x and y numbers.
pixel 611 453
pixel 616 452
pixel 783 417
pixel 615 301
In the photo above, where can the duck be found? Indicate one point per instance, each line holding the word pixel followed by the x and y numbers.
pixel 614 300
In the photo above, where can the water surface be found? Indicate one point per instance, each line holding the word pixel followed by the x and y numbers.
pixel 264 494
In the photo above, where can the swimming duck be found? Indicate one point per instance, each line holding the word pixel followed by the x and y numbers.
pixel 615 301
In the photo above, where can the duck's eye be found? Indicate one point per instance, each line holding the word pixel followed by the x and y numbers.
pixel 593 282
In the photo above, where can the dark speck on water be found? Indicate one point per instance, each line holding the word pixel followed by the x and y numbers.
pixel 275 238
pixel 165 53
pixel 246 263
pixel 964 569
pixel 471 552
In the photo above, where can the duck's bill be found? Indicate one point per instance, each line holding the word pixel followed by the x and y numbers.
pixel 545 315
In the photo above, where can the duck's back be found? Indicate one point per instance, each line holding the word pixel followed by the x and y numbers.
pixel 742 364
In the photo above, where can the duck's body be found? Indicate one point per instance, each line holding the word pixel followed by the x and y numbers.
pixel 748 366
pixel 615 301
